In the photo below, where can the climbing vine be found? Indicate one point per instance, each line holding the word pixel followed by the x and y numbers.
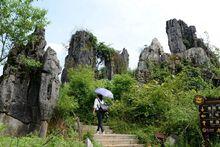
pixel 104 52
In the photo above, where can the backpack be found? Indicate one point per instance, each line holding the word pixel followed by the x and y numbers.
pixel 103 107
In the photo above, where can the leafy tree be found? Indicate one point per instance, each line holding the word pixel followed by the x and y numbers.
pixel 66 103
pixel 104 52
pixel 19 18
pixel 80 92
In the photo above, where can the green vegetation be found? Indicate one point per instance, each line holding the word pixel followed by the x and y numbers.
pixel 18 20
pixel 38 142
pixel 104 52
pixel 30 63
pixel 165 104
pixel 55 138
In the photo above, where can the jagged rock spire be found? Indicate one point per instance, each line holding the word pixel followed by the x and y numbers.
pixel 28 94
pixel 150 54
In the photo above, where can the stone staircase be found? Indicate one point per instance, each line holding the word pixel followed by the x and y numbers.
pixel 109 139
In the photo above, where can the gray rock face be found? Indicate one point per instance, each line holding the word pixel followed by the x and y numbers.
pixel 175 38
pixel 125 57
pixel 196 56
pixel 14 125
pixel 153 54
pixel 181 36
pixel 49 88
pixel 22 92
pixel 118 65
pixel 183 41
pixel 81 52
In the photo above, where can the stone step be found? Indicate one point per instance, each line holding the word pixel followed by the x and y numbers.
pixel 124 145
pixel 95 127
pixel 115 136
pixel 117 141
pixel 87 128
pixel 94 131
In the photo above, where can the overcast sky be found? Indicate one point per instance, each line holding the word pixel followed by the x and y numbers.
pixel 129 24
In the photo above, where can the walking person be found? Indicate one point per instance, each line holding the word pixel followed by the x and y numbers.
pixel 100 107
pixel 100 114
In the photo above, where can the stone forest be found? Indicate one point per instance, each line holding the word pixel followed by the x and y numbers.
pixel 42 104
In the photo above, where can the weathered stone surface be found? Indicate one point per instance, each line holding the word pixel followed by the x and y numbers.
pixel 153 54
pixel 165 57
pixel 182 40
pixel 21 86
pixel 118 65
pixel 196 56
pixel 14 126
pixel 175 38
pixel 181 36
pixel 49 88
pixel 125 57
pixel 81 52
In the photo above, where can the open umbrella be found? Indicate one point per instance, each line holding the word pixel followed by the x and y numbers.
pixel 104 92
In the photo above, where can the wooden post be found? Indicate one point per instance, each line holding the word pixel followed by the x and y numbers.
pixel 43 129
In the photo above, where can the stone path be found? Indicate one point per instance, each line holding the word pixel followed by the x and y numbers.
pixel 109 139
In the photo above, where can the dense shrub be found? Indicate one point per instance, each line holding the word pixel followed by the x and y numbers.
pixel 121 85
pixel 80 92
pixel 38 142
pixel 161 105
pixel 167 107
pixel 67 103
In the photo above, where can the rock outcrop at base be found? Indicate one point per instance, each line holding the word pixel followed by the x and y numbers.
pixel 196 56
pixel 29 86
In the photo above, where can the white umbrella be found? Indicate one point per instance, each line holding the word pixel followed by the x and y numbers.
pixel 104 92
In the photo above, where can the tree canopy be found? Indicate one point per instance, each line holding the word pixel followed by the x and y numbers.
pixel 19 18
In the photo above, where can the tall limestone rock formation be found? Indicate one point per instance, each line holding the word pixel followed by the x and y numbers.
pixel 121 62
pixel 152 54
pixel 82 51
pixel 118 64
pixel 184 46
pixel 29 87
pixel 181 36
pixel 183 41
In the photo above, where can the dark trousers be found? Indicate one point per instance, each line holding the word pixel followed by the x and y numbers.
pixel 100 117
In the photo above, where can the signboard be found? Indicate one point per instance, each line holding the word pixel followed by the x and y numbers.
pixel 209 114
